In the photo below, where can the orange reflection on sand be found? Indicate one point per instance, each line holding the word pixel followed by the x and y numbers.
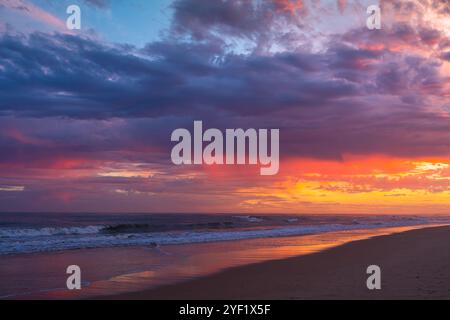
pixel 184 262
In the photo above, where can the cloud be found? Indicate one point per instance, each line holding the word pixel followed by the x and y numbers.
pixel 381 92
pixel 342 5
pixel 81 118
pixel 33 12
pixel 83 78
pixel 98 3
pixel 259 26
pixel 446 56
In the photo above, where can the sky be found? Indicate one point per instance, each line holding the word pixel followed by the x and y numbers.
pixel 86 115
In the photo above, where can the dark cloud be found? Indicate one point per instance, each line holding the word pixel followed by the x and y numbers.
pixel 98 3
pixel 257 25
pixel 430 36
pixel 354 96
pixel 446 56
pixel 441 6
pixel 69 76
pixel 201 17
pixel 398 36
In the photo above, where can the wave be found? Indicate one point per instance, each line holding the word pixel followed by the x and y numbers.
pixel 50 231
pixel 249 218
pixel 110 229
pixel 146 227
pixel 57 239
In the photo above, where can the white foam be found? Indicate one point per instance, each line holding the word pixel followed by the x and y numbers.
pixel 249 218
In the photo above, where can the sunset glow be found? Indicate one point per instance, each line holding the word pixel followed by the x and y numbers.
pixel 86 117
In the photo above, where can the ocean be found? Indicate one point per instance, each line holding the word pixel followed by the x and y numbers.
pixel 127 252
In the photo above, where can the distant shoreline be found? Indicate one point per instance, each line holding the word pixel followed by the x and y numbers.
pixel 415 265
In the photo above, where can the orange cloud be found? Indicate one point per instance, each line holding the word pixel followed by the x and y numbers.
pixel 290 6
pixel 376 184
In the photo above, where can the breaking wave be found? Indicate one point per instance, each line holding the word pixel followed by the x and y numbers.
pixel 16 241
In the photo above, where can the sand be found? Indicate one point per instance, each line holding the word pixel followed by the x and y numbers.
pixel 414 265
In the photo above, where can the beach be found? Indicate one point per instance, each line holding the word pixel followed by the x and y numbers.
pixel 210 256
pixel 414 264
pixel 224 149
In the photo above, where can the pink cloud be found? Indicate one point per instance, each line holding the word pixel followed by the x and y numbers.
pixel 34 12
pixel 342 5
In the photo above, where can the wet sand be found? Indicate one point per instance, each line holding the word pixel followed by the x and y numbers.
pixel 414 265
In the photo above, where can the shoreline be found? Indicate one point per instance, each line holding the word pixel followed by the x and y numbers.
pixel 414 265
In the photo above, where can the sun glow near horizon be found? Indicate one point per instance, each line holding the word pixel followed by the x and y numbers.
pixel 363 114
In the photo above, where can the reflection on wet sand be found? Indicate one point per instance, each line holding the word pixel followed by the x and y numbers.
pixel 119 270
